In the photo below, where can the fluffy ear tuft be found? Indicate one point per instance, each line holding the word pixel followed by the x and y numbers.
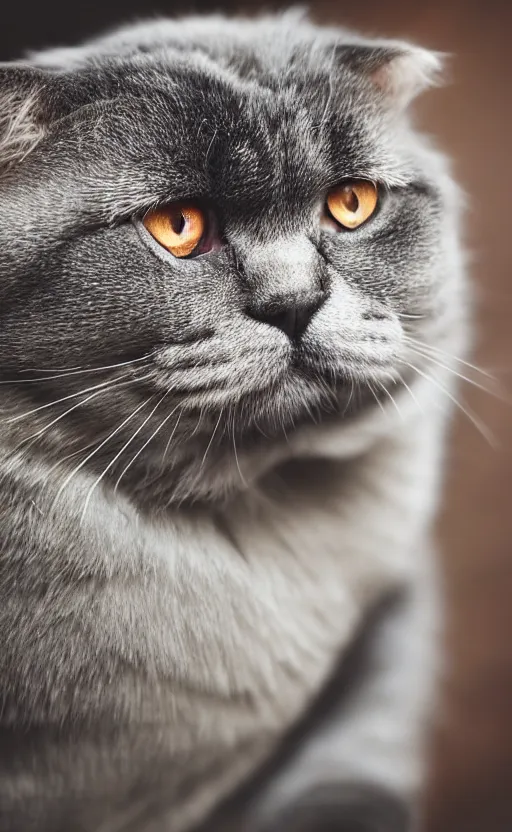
pixel 21 121
pixel 400 71
pixel 408 73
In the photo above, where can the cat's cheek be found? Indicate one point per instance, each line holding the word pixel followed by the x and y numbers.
pixel 353 333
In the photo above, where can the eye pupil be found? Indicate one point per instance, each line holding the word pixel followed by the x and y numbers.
pixel 178 222
pixel 350 199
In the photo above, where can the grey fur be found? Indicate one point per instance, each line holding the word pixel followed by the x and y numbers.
pixel 196 514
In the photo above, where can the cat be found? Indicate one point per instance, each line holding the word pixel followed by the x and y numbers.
pixel 231 279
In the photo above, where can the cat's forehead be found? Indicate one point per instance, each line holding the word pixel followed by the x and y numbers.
pixel 250 140
pixel 259 119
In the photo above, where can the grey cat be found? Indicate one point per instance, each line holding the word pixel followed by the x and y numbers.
pixel 230 273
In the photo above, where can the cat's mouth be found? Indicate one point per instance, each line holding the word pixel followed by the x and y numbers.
pixel 256 375
pixel 251 364
pixel 302 389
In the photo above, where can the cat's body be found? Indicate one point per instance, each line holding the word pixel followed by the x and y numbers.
pixel 189 552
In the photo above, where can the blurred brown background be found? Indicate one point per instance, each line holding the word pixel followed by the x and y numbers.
pixel 471 788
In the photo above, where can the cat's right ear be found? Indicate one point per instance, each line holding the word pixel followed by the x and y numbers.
pixel 29 99
pixel 397 70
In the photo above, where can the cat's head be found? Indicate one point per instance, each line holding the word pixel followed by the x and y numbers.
pixel 236 214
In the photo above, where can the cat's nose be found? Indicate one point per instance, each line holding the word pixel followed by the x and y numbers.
pixel 289 314
pixel 284 282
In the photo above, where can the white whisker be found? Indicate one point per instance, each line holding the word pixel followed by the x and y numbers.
pixel 119 453
pixel 47 427
pixel 175 428
pixel 68 456
pixel 198 423
pixel 146 443
pixel 103 384
pixel 75 371
pixel 375 396
pixel 473 418
pixel 244 482
pixel 211 440
pixel 85 369
pixel 443 354
pixel 411 393
pixel 434 360
pixel 350 395
pixel 393 402
pixel 98 448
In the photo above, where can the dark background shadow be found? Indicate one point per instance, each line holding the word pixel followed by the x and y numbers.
pixel 472 117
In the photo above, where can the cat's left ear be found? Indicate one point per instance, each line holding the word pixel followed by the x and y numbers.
pixel 399 71
pixel 30 99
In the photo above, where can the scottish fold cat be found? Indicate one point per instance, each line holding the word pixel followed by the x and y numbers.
pixel 228 262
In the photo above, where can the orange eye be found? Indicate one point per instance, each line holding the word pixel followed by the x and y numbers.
pixel 179 227
pixel 352 203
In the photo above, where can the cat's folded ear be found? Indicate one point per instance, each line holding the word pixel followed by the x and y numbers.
pixel 29 102
pixel 399 71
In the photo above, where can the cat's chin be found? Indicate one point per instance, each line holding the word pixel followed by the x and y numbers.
pixel 225 451
pixel 216 451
